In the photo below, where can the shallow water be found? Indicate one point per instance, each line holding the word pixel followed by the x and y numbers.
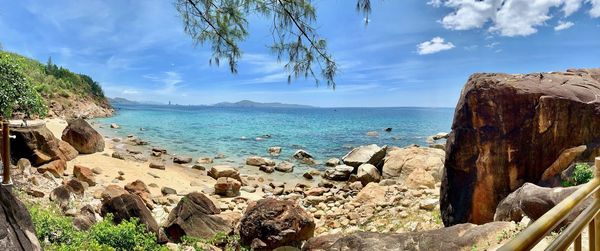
pixel 240 132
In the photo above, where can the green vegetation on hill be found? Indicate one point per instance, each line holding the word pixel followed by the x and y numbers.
pixel 50 81
pixel 16 91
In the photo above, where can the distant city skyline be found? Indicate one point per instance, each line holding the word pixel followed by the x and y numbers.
pixel 412 53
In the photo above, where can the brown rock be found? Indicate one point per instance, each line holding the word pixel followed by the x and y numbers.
pixel 39 145
pixel 367 173
pixel 62 196
pixel 56 168
pixel 552 175
pixel 418 178
pixel 75 186
pixel 400 162
pixel 127 206
pixel 84 174
pixel 259 161
pixel 508 129
pixel 534 201
pixel 140 189
pixel 227 187
pixel 83 137
pixel 157 165
pixel 68 151
pixel 219 171
pixel 182 160
pixel 16 226
pixel 112 191
pixel 195 215
pixel 459 237
pixel 276 223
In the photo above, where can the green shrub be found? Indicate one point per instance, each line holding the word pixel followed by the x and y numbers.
pixel 222 240
pixel 582 174
pixel 59 233
pixel 17 94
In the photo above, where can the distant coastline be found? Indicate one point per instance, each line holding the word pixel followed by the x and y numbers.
pixel 243 103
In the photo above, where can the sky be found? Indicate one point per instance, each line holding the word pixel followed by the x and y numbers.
pixel 412 52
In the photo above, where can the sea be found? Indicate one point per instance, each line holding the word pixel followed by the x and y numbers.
pixel 206 131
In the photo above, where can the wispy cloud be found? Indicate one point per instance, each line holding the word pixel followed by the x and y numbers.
pixel 562 25
pixel 169 79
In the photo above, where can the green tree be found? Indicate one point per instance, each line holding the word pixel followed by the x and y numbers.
pixel 16 93
pixel 224 24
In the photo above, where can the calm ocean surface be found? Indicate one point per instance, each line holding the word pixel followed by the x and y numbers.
pixel 324 132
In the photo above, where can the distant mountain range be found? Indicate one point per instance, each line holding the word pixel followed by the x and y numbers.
pixel 248 103
pixel 243 103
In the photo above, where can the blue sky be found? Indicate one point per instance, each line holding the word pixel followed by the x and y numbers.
pixel 412 53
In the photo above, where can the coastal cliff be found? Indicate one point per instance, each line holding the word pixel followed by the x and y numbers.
pixel 66 94
pixel 510 129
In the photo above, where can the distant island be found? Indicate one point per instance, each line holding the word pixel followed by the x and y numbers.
pixel 248 103
pixel 243 103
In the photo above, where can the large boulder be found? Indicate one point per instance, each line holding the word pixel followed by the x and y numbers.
pixel 508 129
pixel 195 215
pixel 16 227
pixel 275 223
pixel 459 237
pixel 534 201
pixel 39 145
pixel 400 162
pixel 83 137
pixel 371 154
pixel 127 206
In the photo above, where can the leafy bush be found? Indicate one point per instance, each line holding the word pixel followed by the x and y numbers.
pixel 16 92
pixel 59 233
pixel 581 175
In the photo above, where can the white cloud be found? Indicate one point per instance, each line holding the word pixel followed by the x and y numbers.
pixel 509 17
pixel 435 45
pixel 492 44
pixel 563 25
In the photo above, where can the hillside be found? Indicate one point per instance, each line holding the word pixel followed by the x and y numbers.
pixel 66 94
pixel 248 103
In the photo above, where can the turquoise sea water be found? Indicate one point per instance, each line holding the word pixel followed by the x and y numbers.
pixel 324 132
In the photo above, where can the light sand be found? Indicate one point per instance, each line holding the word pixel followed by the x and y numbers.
pixel 175 176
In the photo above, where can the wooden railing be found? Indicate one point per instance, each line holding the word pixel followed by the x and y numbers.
pixel 5 147
pixel 572 234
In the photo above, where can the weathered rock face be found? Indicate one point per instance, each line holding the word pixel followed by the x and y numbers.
pixel 508 129
pixel 126 206
pixel 534 201
pixel 459 237
pixel 195 215
pixel 275 223
pixel 39 145
pixel 371 154
pixel 400 162
pixel 83 137
pixel 16 227
pixel 56 168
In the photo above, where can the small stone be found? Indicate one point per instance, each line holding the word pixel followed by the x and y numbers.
pixel 157 165
pixel 167 191
pixel 97 170
pixel 153 175
pixel 307 176
pixel 121 173
pixel 199 167
pixel 267 169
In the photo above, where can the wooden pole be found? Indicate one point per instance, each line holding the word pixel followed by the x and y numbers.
pixel 5 153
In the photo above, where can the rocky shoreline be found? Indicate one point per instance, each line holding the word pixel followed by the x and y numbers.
pixel 350 195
